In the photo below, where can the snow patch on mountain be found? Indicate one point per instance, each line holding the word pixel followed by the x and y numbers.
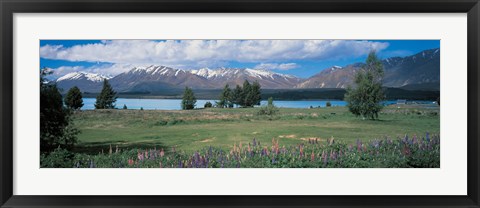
pixel 84 75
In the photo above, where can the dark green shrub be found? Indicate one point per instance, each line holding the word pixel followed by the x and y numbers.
pixel 268 110
pixel 207 105
pixel 59 158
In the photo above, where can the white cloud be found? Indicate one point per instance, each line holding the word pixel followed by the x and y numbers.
pixel 276 66
pixel 192 53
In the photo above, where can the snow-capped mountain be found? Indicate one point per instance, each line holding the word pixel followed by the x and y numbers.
pixel 153 78
pixel 233 76
pixel 419 69
pixel 156 78
pixel 84 80
pixel 83 75
pixel 333 77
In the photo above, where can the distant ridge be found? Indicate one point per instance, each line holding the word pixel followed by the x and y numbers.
pixel 417 72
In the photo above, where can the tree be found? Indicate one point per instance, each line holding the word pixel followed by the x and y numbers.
pixel 188 100
pixel 238 96
pixel 107 97
pixel 247 94
pixel 225 99
pixel 73 99
pixel 125 107
pixel 56 129
pixel 364 100
pixel 256 94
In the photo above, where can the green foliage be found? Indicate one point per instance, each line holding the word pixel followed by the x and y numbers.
pixel 268 110
pixel 226 99
pixel 238 96
pixel 188 101
pixel 328 104
pixel 73 99
pixel 248 95
pixel 125 107
pixel 107 97
pixel 55 121
pixel 364 100
pixel 208 105
pixel 59 158
pixel 255 93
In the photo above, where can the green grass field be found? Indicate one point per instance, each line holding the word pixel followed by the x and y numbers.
pixel 195 129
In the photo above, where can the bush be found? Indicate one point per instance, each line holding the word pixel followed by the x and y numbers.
pixel 59 158
pixel 328 104
pixel 208 105
pixel 268 110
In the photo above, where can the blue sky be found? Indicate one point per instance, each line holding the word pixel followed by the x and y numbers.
pixel 302 58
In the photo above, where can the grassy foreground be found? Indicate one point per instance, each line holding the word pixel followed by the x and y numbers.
pixel 405 136
pixel 192 130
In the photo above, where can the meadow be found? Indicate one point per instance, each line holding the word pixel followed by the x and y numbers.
pixel 405 136
pixel 192 130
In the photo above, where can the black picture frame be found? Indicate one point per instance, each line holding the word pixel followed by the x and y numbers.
pixel 9 7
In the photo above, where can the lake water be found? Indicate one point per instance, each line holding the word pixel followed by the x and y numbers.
pixel 175 104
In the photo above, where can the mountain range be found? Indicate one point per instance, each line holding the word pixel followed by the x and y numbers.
pixel 419 71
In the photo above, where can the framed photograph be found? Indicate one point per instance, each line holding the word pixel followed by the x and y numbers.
pixel 248 104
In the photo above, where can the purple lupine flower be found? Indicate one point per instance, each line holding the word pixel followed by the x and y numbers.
pixel 254 142
pixel 335 155
pixel 324 157
pixel 197 156
pixel 202 162
pixel 180 164
pixel 359 145
pixel 428 137
pixel 405 139
pixel 152 155
pixel 140 156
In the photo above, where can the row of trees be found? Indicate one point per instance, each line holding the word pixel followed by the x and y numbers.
pixel 105 100
pixel 246 96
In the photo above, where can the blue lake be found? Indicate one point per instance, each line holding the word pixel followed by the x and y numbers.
pixel 174 104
